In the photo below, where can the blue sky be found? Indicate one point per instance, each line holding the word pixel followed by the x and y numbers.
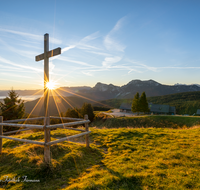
pixel 106 41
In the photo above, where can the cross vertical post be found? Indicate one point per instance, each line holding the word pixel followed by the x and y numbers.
pixel 40 57
pixel 47 137
pixel 46 77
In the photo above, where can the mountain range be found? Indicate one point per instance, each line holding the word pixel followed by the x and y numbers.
pixel 103 91
pixel 152 88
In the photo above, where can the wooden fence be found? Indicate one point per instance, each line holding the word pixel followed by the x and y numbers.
pixel 47 143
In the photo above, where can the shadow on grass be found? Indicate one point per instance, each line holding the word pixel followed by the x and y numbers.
pixel 124 135
pixel 67 161
pixel 124 182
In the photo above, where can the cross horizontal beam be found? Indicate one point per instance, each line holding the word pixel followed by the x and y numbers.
pixel 51 53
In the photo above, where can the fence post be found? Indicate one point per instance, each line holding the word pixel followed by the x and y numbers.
pixel 1 133
pixel 47 138
pixel 87 129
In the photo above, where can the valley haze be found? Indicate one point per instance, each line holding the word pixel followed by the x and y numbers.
pixel 103 91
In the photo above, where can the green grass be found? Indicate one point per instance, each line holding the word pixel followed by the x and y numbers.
pixel 185 102
pixel 154 121
pixel 118 158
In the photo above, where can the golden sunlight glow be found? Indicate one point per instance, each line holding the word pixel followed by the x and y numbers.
pixel 51 85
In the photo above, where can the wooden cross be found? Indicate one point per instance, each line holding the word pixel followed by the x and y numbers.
pixel 46 56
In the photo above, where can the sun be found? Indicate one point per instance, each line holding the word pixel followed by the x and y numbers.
pixel 51 85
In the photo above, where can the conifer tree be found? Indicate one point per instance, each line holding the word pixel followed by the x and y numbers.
pixel 143 103
pixel 136 103
pixel 88 109
pixel 73 113
pixel 13 106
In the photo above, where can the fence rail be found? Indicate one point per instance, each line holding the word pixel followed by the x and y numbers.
pixel 23 125
pixel 66 118
pixel 16 131
pixel 28 119
pixel 68 124
pixel 67 138
pixel 76 121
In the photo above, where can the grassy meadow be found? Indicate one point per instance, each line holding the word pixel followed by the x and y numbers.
pixel 127 157
pixel 155 121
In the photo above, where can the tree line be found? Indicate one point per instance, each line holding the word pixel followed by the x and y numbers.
pixel 13 107
pixel 80 112
pixel 140 104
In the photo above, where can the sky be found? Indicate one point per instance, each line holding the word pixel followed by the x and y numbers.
pixel 107 41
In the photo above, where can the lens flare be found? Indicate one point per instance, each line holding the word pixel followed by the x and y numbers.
pixel 50 85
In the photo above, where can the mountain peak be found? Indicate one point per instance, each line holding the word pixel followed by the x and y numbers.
pixel 142 83
pixel 104 87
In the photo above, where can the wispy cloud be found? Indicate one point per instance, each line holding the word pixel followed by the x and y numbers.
pixel 87 73
pixel 9 67
pixel 83 43
pixel 108 61
pixel 32 36
pixel 90 37
pixel 14 75
pixel 31 46
pixel 179 67
pixel 67 48
pixel 137 64
pixel 110 42
pixel 24 53
pixel 135 70
pixel 51 66
pixel 62 58
pixel 142 66
pixel 18 65
pixel 99 53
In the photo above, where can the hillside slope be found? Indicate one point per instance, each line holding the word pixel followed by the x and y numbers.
pixel 185 102
pixel 117 159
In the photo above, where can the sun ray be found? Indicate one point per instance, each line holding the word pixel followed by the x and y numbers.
pixel 58 110
pixel 50 85
pixel 86 98
pixel 47 106
pixel 64 76
pixel 67 101
pixel 28 115
pixel 31 95
pixel 35 106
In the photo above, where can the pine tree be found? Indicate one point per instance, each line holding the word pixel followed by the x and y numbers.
pixel 136 103
pixel 88 109
pixel 73 113
pixel 13 107
pixel 143 103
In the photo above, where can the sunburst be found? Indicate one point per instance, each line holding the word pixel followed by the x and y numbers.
pixel 51 85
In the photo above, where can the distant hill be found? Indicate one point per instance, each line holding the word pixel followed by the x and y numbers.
pixel 152 88
pixel 62 90
pixel 178 97
pixel 109 91
pixel 55 104
pixel 185 103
